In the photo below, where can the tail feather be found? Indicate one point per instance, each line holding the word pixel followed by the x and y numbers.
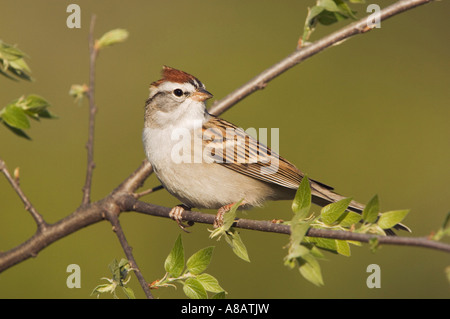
pixel 323 196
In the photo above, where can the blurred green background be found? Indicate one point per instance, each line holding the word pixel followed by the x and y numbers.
pixel 370 116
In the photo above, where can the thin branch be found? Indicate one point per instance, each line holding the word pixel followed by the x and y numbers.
pixel 112 215
pixel 41 224
pixel 136 179
pixel 260 81
pixel 93 52
pixel 80 218
pixel 129 204
pixel 112 212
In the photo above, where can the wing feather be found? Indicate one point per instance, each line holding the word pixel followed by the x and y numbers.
pixel 233 148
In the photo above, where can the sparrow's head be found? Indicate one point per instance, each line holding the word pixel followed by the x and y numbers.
pixel 178 96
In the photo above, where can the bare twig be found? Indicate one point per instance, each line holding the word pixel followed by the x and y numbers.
pixel 93 52
pixel 112 214
pixel 41 224
pixel 260 81
pixel 129 204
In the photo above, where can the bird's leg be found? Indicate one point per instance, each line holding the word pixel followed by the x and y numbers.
pixel 176 213
pixel 218 220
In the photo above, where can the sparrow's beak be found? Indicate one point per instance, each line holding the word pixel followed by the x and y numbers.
pixel 201 95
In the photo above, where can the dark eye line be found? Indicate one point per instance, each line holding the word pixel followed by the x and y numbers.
pixel 180 92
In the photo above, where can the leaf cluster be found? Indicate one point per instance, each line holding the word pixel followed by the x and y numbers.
pixel 12 63
pixel 120 277
pixel 196 283
pixel 230 233
pixel 303 251
pixel 327 12
pixel 15 116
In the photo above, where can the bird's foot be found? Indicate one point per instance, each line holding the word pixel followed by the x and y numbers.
pixel 176 214
pixel 218 220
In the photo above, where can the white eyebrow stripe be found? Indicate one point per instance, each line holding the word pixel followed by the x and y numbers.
pixel 170 86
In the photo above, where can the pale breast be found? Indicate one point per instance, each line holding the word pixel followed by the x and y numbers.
pixel 199 184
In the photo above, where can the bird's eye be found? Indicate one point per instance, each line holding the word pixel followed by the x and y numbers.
pixel 178 92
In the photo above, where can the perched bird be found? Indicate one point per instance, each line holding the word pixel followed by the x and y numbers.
pixel 207 162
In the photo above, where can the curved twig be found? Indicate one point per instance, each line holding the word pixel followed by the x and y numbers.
pixel 41 224
pixel 260 81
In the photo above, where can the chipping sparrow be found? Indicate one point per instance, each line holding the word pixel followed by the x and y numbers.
pixel 214 171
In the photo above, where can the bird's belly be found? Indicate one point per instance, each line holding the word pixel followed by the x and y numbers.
pixel 212 185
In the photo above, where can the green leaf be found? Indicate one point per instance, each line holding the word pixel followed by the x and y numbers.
pixel 14 116
pixel 35 103
pixel 194 289
pixel 328 5
pixel 199 261
pixel 370 212
pixel 324 243
pixel 129 292
pixel 313 13
pixel 295 251
pixel 373 244
pixel 390 219
pixel 345 9
pixel 315 252
pixel 349 218
pixel 174 263
pixel 310 269
pixel 112 37
pixel 298 231
pixel 302 201
pixel 230 216
pixel 237 245
pixel 228 221
pixel 12 61
pixel 343 248
pixel 47 114
pixel 100 289
pixel 209 283
pixel 115 270
pixel 330 213
pixel 19 65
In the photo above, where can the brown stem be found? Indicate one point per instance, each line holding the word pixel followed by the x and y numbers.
pixel 260 81
pixel 112 215
pixel 131 204
pixel 93 52
pixel 41 224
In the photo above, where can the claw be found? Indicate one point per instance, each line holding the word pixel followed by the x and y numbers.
pixel 175 214
pixel 218 220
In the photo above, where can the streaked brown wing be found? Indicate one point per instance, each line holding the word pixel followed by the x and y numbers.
pixel 231 147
